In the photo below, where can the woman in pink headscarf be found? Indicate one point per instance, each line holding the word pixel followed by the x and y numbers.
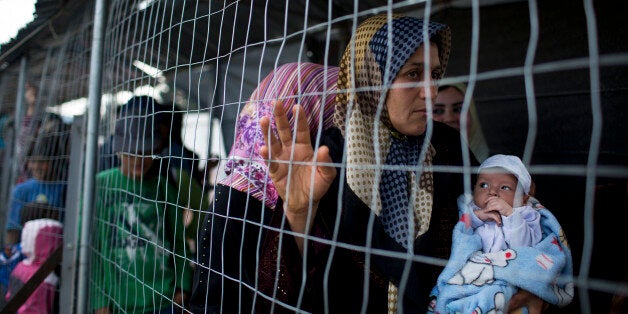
pixel 310 85
pixel 226 276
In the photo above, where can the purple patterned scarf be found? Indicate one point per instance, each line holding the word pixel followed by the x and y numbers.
pixel 313 86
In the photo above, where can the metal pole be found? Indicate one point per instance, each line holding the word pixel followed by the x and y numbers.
pixel 19 112
pixel 93 115
pixel 71 221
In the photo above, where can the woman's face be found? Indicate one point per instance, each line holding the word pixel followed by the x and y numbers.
pixel 407 105
pixel 447 107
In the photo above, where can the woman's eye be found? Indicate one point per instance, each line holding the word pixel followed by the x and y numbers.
pixel 438 111
pixel 414 75
pixel 436 75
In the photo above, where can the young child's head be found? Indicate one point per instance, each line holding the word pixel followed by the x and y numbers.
pixel 40 238
pixel 41 159
pixel 137 141
pixel 503 176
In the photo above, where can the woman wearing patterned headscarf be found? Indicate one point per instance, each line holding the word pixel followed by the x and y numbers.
pixel 305 83
pixel 391 200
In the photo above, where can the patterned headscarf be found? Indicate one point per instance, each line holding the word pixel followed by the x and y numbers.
pixel 313 86
pixel 362 84
pixel 364 78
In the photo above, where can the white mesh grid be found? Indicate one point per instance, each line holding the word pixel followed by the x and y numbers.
pixel 548 81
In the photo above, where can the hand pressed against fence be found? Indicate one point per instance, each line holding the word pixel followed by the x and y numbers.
pixel 306 180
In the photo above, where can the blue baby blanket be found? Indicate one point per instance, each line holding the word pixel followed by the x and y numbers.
pixel 477 282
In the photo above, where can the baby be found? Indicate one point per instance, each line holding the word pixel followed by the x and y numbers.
pixel 503 233
pixel 501 215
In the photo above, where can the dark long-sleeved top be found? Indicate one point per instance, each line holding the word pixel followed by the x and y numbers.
pixel 238 258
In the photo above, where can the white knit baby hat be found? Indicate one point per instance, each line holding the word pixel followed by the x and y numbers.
pixel 511 164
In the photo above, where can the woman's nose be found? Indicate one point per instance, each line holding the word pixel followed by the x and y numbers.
pixel 449 116
pixel 428 89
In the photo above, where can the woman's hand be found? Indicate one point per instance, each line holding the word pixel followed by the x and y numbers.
pixel 296 170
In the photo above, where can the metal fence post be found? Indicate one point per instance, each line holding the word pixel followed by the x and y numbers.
pixel 71 223
pixel 93 119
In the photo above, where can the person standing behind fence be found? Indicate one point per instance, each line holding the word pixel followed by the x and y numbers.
pixel 107 158
pixel 29 127
pixel 447 109
pixel 227 247
pixel 140 257
pixel 44 189
pixel 40 238
pixel 338 205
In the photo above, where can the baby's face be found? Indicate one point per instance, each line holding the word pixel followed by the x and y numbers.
pixel 496 183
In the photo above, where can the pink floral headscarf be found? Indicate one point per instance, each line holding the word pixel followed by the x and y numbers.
pixel 313 86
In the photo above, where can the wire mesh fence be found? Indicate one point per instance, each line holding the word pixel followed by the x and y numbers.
pixel 185 214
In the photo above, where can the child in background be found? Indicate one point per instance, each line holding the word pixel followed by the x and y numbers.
pixel 40 238
pixel 43 188
pixel 503 233
pixel 139 259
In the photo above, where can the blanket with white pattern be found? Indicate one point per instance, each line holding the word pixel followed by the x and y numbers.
pixel 476 282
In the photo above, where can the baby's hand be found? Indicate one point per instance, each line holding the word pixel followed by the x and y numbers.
pixel 485 214
pixel 494 208
pixel 499 205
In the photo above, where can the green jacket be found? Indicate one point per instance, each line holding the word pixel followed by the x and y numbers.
pixel 137 227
